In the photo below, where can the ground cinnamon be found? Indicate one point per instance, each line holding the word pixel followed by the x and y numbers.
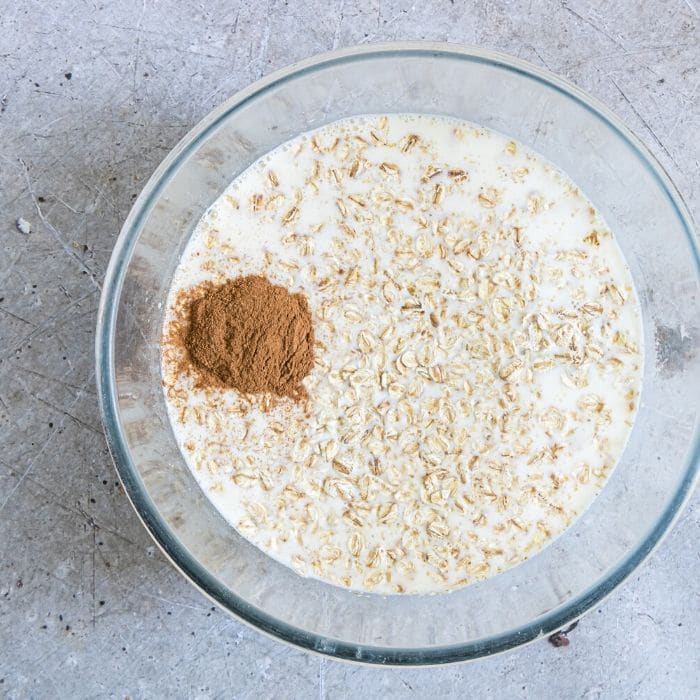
pixel 252 336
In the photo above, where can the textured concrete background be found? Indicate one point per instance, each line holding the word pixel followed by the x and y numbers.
pixel 93 95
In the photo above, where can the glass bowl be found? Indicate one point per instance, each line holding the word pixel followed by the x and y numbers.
pixel 645 492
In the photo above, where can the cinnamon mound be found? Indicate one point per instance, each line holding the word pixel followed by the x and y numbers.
pixel 252 336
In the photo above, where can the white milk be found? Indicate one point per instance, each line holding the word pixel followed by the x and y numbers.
pixel 490 279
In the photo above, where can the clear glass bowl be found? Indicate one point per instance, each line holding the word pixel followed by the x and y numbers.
pixel 647 489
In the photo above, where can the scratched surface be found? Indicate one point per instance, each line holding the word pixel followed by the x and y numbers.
pixel 93 96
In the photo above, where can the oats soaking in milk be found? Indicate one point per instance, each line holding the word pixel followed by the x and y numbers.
pixel 477 357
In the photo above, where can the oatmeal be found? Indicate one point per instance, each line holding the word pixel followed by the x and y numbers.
pixel 477 355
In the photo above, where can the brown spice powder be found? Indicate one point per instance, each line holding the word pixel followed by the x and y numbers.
pixel 249 335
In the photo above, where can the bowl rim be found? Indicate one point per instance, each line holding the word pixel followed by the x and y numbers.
pixel 145 508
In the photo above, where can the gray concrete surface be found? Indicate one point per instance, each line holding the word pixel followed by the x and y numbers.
pixel 93 95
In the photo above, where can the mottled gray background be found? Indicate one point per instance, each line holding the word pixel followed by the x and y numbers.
pixel 93 95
